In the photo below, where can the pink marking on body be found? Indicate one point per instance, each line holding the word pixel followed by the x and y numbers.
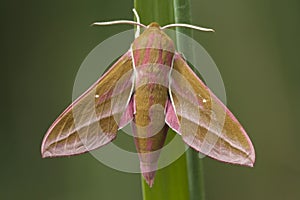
pixel 169 58
pixel 159 59
pixel 151 98
pixel 149 145
pixel 148 48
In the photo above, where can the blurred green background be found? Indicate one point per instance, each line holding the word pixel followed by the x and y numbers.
pixel 256 47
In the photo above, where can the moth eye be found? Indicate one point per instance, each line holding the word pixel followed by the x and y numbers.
pixel 97 96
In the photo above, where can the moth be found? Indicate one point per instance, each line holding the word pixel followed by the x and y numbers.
pixel 152 87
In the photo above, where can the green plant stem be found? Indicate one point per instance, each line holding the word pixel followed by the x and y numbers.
pixel 183 179
pixel 170 182
pixel 182 12
pixel 195 175
pixel 160 11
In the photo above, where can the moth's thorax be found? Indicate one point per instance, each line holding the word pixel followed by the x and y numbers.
pixel 153 46
pixel 154 37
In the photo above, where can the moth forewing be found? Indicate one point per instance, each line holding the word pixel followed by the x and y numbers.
pixel 204 122
pixel 92 120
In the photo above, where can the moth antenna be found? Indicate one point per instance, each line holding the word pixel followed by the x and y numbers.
pixel 188 26
pixel 118 22
pixel 137 33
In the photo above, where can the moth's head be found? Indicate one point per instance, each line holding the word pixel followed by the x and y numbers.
pixel 154 25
